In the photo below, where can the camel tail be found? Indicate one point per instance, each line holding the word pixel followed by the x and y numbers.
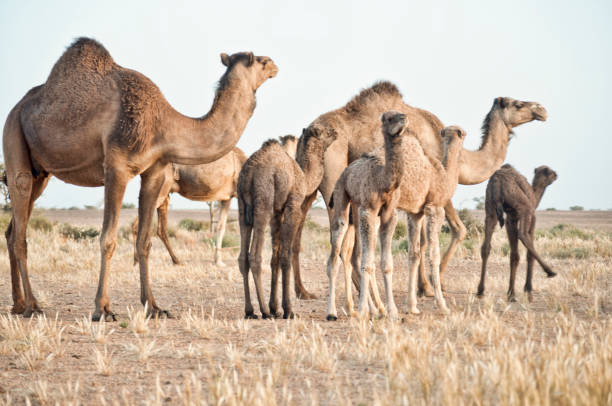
pixel 4 178
pixel 499 210
pixel 331 202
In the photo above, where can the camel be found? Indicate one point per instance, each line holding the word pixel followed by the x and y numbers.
pixel 425 186
pixel 509 192
pixel 96 123
pixel 207 182
pixel 372 187
pixel 271 189
pixel 358 127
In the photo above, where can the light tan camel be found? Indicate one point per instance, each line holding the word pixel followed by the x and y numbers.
pixel 271 189
pixel 358 127
pixel 426 186
pixel 215 181
pixel 371 186
pixel 509 192
pixel 95 123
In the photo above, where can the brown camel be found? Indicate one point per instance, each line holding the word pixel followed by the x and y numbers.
pixel 358 127
pixel 271 189
pixel 215 181
pixel 371 185
pixel 509 192
pixel 95 123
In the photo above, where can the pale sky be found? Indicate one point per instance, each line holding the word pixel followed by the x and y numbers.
pixel 451 58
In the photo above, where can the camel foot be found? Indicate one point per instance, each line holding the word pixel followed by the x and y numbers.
pixel 135 261
pixel 19 307
pixel 107 315
pixel 414 310
pixel 445 310
pixel 266 316
pixel 289 315
pixel 157 313
pixel 480 293
pixel 177 262
pixel 331 317
pixel 529 297
pixel 511 298
pixel 305 295
pixel 220 264
pixel 550 274
pixel 32 310
pixel 250 315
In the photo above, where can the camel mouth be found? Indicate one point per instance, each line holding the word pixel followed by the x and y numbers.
pixel 540 114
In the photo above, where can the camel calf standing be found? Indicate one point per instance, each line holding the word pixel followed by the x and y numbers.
pixel 272 187
pixel 509 192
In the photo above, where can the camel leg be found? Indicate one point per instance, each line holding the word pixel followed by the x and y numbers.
pixel 211 214
pixel 17 244
pixel 434 224
pixel 347 253
pixel 485 249
pixel 528 287
pixel 225 206
pixel 300 290
pixel 374 291
pixel 275 225
pixel 114 190
pixel 134 236
pixel 291 219
pixel 415 222
pixel 515 258
pixel 459 232
pixel 339 227
pixel 524 236
pixel 243 260
pixel 255 254
pixel 367 228
pixel 387 227
pixel 424 287
pixel 162 228
pixel 152 186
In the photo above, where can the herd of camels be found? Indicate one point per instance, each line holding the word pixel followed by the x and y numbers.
pixel 370 158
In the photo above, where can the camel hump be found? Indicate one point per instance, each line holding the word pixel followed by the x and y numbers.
pixel 85 54
pixel 382 93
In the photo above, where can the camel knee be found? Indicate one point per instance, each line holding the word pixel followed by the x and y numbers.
pixel 107 245
pixel 515 257
pixel 485 249
pixel 19 246
pixel 460 233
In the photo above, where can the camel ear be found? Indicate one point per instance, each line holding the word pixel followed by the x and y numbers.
pixel 501 102
pixel 225 59
pixel 251 58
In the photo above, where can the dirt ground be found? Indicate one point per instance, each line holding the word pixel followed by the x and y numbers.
pixel 209 354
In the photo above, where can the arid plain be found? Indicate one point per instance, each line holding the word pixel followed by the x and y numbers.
pixel 555 350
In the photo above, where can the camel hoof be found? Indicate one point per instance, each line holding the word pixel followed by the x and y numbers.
pixel 159 314
pixel 250 315
pixel 427 292
pixel 107 315
pixel 331 317
pixel 177 263
pixel 305 295
pixel 18 308
pixel 480 293
pixel 289 315
pixel 445 310
pixel 512 299
pixel 220 264
pixel 415 311
pixel 29 312
pixel 530 297
pixel 266 316
pixel 551 274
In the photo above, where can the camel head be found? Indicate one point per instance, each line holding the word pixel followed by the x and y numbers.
pixel 316 134
pixel 393 122
pixel 254 69
pixel 544 176
pixel 517 112
pixel 453 136
pixel 289 143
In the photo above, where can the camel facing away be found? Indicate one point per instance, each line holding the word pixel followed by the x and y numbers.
pixel 271 190
pixel 509 192
pixel 215 181
pixel 95 123
pixel 358 127
pixel 372 187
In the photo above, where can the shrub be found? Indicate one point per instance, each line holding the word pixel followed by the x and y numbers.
pixel 313 225
pixel 77 233
pixel 89 207
pixel 473 227
pixel 551 209
pixel 400 230
pixel 193 225
pixel 564 231
pixel 128 206
pixel 576 208
pixel 40 223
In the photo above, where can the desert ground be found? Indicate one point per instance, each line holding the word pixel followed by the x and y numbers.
pixel 554 350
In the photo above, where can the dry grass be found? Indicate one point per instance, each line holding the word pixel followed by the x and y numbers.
pixel 556 350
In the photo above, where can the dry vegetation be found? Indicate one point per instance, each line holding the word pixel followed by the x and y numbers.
pixel 556 350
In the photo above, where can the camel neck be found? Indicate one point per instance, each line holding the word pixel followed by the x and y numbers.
pixel 394 164
pixel 311 162
pixel 538 190
pixel 478 166
pixel 192 141
pixel 451 160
